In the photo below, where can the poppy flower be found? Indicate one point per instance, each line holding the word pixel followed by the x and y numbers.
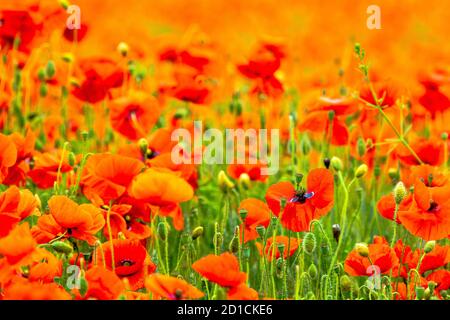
pixel 18 24
pixel 134 115
pixel 386 206
pixel 381 255
pixel 8 155
pixel 319 122
pixel 441 278
pixel 67 217
pixel 222 269
pixel 304 204
pixel 76 34
pixel 44 267
pixel 193 59
pixel 407 260
pixel 258 214
pixel 103 284
pixel 430 151
pixel 123 220
pixel 433 99
pixel 106 176
pixel 171 288
pixel 271 251
pixel 242 292
pixel 131 261
pixel 45 169
pixel 163 189
pixel 18 244
pixel 429 215
pixel 387 95
pixel 98 77
pixel 431 176
pixel 438 257
pixel 253 171
pixel 188 87
pixel 25 290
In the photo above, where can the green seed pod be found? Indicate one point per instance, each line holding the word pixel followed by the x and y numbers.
pixel 309 243
pixel 312 271
pixel 62 247
pixel 243 214
pixel 432 285
pixel 50 69
pixel 197 232
pixel 361 146
pixel 261 231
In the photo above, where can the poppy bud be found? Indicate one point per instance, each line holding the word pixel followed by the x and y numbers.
pixel 234 245
pixel 309 243
pixel 369 144
pixel 84 136
pixel 143 147
pixel 444 136
pixel 346 283
pixel 244 180
pixel 305 145
pixel 427 294
pixel 261 230
pixel 357 48
pixel 280 267
pixel 41 74
pixel 336 231
pixel 420 293
pixel 72 159
pixel 121 236
pixel 123 49
pixel 218 240
pixel 43 90
pixel 331 115
pixel 224 182
pixel 197 232
pixel 312 271
pixel 361 171
pixel 180 113
pixel 64 4
pixel 67 57
pixel 377 171
pixel 62 247
pixel 337 164
pixel 361 146
pixel 399 192
pixel 50 69
pixel 444 294
pixel 362 249
pixel 326 163
pixel 162 231
pixel 432 285
pixel 393 173
pixel 429 246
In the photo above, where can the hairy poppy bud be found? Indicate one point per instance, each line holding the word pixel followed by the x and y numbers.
pixel 218 240
pixel 305 145
pixel 123 49
pixel 429 246
pixel 50 69
pixel 62 246
pixel 361 146
pixel 326 163
pixel 346 283
pixel 234 244
pixel 361 171
pixel 420 293
pixel 336 231
pixel 197 232
pixel 427 294
pixel 399 192
pixel 309 243
pixel 224 182
pixel 312 271
pixel 71 158
pixel 362 249
pixel 162 231
pixel 244 180
pixel 337 164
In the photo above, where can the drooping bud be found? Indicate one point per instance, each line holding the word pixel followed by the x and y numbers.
pixel 361 171
pixel 244 181
pixel 337 164
pixel 326 163
pixel 399 192
pixel 346 283
pixel 429 246
pixel 68 57
pixel 224 182
pixel 64 4
pixel 197 232
pixel 62 246
pixel 123 49
pixel 362 249
pixel 336 231
pixel 309 243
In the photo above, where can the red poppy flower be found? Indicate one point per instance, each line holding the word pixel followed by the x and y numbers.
pixel 258 214
pixel 79 34
pixel 18 245
pixel 442 279
pixel 25 290
pixel 271 251
pixel 17 23
pixel 242 292
pixel 223 269
pixel 131 261
pixel 381 255
pixel 386 206
pixel 8 155
pixel 305 204
pixel 171 288
pixel 430 151
pixel 429 215
pixel 123 220
pixel 103 284
pixel 253 171
pixel 135 115
pixel 319 122
pixel 45 169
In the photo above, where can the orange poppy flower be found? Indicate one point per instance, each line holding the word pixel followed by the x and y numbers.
pixel 302 205
pixel 222 269
pixel 429 175
pixel 271 251
pixel 429 215
pixel 123 220
pixel 380 254
pixel 171 288
pixel 44 267
pixel 135 115
pixel 258 213
pixel 318 122
pixel 438 257
pixel 106 176
pixel 103 284
pixel 164 189
pixel 8 155
pixel 18 23
pixel 18 245
pixel 45 169
pixel 98 77
pixel 242 292
pixel 253 171
pixel 386 206
pixel 430 151
pixel 433 99
pixel 131 261
pixel 442 279
pixel 67 217
pixel 24 290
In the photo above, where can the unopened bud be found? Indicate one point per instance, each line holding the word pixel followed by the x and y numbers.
pixel 429 246
pixel 67 57
pixel 62 246
pixel 197 232
pixel 312 270
pixel 336 231
pixel 234 244
pixel 444 136
pixel 244 180
pixel 326 163
pixel 362 249
pixel 420 293
pixel 361 171
pixel 393 173
pixel 224 182
pixel 346 283
pixel 309 243
pixel 50 69
pixel 123 49
pixel 64 4
pixel 361 146
pixel 399 192
pixel 72 159
pixel 337 164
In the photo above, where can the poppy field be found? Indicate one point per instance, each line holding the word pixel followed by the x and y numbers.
pixel 224 150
